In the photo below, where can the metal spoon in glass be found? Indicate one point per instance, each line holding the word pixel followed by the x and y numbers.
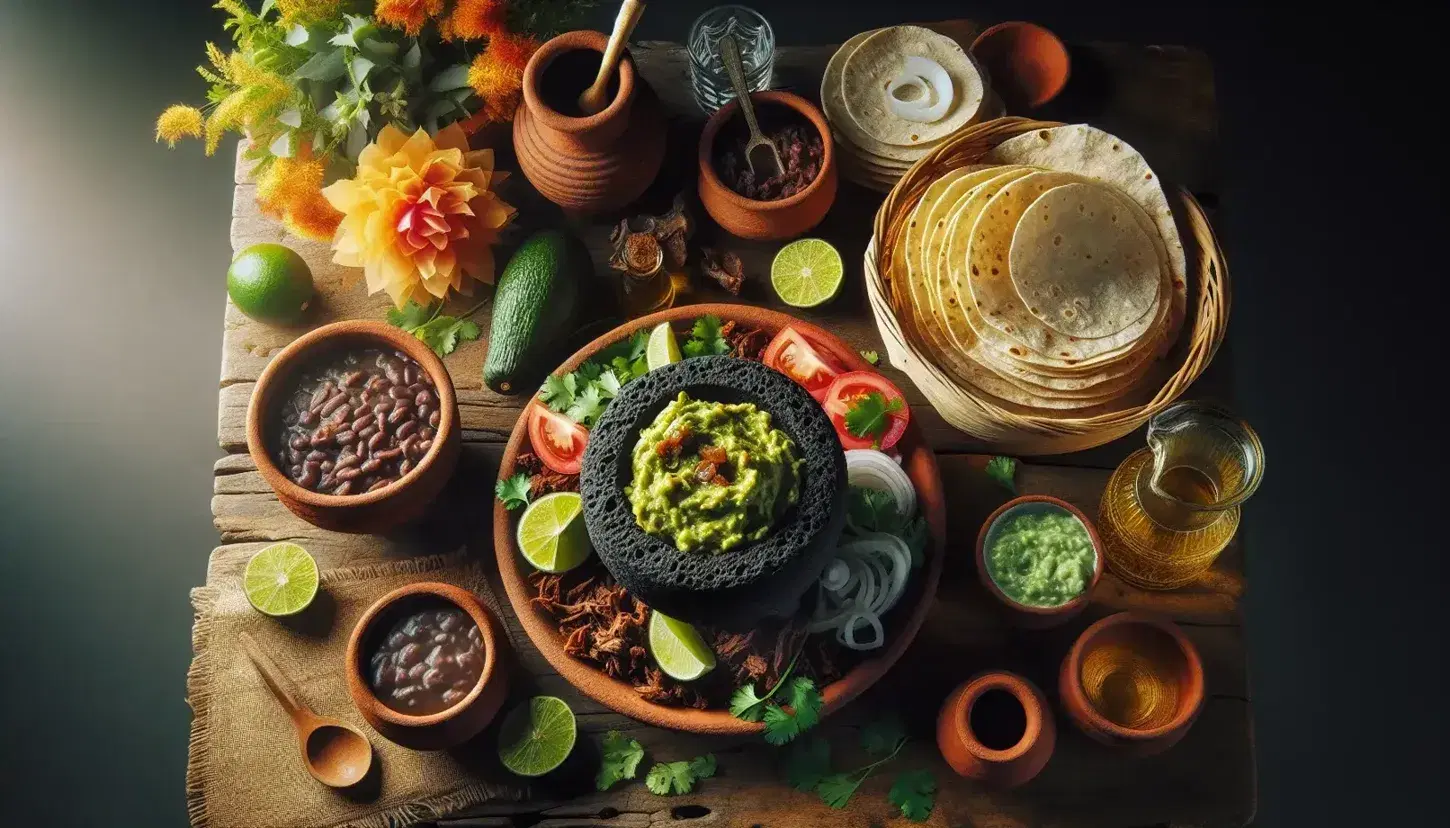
pixel 769 162
pixel 335 753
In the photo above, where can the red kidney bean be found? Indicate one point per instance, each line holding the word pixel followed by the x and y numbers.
pixel 362 421
pixel 410 375
pixel 405 467
pixel 299 442
pixel 367 431
pixel 399 393
pixel 308 419
pixel 332 404
pixel 382 421
pixel 389 454
pixel 376 439
pixel 349 474
pixel 321 437
pixel 426 433
pixel 370 466
pixel 327 465
pixel 346 437
pixel 434 419
pixel 383 407
pixel 407 443
pixel 317 456
pixel 321 395
pixel 398 415
pixel 405 429
pixel 391 371
pixel 343 488
pixel 422 446
pixel 311 473
pixel 353 379
pixel 425 412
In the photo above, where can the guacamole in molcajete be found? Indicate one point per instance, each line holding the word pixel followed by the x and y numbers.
pixel 712 476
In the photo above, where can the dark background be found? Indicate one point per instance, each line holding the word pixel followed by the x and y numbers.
pixel 112 252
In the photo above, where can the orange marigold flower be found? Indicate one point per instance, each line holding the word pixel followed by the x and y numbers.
pixel 313 218
pixel 474 19
pixel 408 15
pixel 420 216
pixel 497 75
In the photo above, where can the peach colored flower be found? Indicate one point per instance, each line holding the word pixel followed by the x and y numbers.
pixel 420 216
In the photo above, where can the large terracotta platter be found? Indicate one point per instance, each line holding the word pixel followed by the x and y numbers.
pixel 904 621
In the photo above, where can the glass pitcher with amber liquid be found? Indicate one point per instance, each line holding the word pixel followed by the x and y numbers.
pixel 1170 509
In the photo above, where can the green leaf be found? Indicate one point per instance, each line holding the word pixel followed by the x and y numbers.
pixel 443 333
pixel 357 29
pixel 871 357
pixel 514 492
pixel 608 383
pixel 872 510
pixel 267 5
pixel 380 50
pixel 620 760
pixel 808 763
pixel 413 58
pixel 781 727
pixel 705 338
pixel 359 68
pixel 869 416
pixel 913 793
pixel 744 704
pixel 454 77
pixel 291 117
pixel 836 790
pixel 587 406
pixel 281 146
pixel 1004 471
pixel 805 702
pixel 703 767
pixel 323 66
pixel 883 736
pixel 410 316
pixel 670 778
pixel 558 392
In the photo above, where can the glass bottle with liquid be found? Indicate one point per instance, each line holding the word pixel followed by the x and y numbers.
pixel 1170 509
pixel 644 290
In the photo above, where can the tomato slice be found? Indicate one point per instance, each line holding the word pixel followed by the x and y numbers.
pixel 809 364
pixel 558 441
pixel 847 390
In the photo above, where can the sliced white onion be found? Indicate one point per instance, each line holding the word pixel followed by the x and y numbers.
pixel 864 581
pixel 936 84
pixel 876 470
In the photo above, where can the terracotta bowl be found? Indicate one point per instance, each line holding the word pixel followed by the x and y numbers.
pixel 1134 682
pixel 996 728
pixel 1028 64
pixel 767 220
pixel 447 728
pixel 1024 615
pixel 370 512
pixel 905 621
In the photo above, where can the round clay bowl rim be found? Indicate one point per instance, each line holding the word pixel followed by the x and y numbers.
pixel 986 577
pixel 1187 710
pixel 1041 96
pixel 803 107
pixel 357 685
pixel 1034 706
pixel 919 461
pixel 582 40
pixel 320 339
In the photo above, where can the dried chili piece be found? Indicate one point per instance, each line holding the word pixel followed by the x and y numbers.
pixel 724 267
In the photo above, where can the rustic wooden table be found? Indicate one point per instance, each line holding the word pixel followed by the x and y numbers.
pixel 1159 98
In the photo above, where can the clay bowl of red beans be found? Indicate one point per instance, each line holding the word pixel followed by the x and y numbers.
pixel 355 427
pixel 424 666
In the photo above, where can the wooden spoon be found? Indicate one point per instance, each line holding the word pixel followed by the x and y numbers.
pixel 336 753
pixel 595 98
pixel 769 165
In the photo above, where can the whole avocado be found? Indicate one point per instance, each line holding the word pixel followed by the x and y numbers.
pixel 534 305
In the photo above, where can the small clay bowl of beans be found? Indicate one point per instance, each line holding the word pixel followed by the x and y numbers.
pixel 424 666
pixel 355 427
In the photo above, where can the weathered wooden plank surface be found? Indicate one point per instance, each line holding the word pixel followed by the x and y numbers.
pixel 1158 98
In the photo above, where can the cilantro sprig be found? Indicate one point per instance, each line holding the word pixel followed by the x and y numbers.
pixel 582 394
pixel 671 778
pixel 869 416
pixel 513 491
pixel 871 357
pixel 705 338
pixel 874 510
pixel 1004 471
pixel 912 792
pixel 620 758
pixel 433 328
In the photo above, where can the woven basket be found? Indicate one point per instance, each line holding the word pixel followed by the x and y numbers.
pixel 986 418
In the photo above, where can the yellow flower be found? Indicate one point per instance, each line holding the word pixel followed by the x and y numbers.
pixel 420 216
pixel 313 218
pixel 408 15
pixel 306 12
pixel 178 122
pixel 291 190
pixel 497 75
pixel 474 19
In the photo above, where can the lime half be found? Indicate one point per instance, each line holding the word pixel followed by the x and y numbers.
pixel 281 579
pixel 806 273
pixel 551 533
pixel 536 736
pixel 681 652
pixel 662 349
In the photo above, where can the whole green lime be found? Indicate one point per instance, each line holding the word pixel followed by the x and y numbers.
pixel 270 283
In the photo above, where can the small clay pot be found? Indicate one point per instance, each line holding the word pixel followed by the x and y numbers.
pixel 1025 615
pixel 1027 64
pixel 594 163
pixel 767 220
pixel 996 728
pixel 370 512
pixel 1134 682
pixel 447 728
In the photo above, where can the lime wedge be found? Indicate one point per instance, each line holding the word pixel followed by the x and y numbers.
pixel 806 273
pixel 536 736
pixel 681 652
pixel 551 533
pixel 281 579
pixel 662 348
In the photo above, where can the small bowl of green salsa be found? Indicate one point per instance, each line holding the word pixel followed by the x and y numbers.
pixel 1041 557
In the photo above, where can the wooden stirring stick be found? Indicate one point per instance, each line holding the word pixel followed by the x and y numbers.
pixel 595 98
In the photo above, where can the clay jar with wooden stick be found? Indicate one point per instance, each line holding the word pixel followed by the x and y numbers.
pixel 587 163
pixel 996 728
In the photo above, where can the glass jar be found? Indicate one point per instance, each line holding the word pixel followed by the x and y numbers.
pixel 708 80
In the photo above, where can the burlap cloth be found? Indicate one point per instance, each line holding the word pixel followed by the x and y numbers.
pixel 245 770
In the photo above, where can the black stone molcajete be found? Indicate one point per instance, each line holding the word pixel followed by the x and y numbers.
pixel 738 588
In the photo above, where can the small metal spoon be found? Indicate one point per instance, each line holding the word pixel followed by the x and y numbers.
pixel 730 55
pixel 335 753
